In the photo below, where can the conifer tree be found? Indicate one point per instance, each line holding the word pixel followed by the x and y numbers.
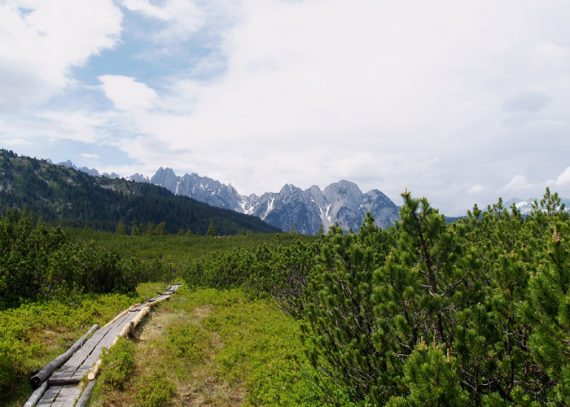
pixel 211 229
pixel 339 313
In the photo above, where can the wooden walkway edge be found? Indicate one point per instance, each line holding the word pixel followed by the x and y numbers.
pixel 61 381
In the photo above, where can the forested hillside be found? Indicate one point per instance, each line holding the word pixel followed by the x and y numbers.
pixel 72 198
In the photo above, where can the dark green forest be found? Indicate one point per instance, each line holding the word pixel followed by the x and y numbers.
pixel 70 197
pixel 426 313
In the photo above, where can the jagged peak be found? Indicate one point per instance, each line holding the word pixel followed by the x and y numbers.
pixel 343 185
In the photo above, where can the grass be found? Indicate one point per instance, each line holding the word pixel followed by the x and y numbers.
pixel 215 348
pixel 178 250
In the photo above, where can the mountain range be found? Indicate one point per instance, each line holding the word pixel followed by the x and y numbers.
pixel 68 196
pixel 292 208
pixel 525 205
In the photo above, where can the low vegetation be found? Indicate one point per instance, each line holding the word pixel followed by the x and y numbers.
pixel 217 348
pixel 180 250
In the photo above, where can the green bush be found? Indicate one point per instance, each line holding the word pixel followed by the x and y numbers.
pixel 187 341
pixel 118 364
pixel 155 390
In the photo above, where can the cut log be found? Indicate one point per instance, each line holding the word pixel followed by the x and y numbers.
pixel 94 371
pixel 139 317
pixel 43 374
pixel 36 395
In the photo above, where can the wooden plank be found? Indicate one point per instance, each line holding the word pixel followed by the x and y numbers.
pixel 75 368
pixel 67 373
pixel 67 396
pixel 68 369
pixel 43 374
pixel 105 342
pixel 50 395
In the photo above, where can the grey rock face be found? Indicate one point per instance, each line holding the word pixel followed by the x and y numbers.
pixel 210 191
pixel 292 208
pixel 138 178
pixel 166 178
pixel 89 171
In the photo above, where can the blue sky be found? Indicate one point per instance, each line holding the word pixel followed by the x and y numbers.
pixel 462 102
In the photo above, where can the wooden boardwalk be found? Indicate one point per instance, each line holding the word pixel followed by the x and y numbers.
pixel 65 384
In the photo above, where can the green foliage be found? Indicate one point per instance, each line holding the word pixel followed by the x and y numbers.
pixel 432 380
pixel 181 249
pixel 38 262
pixel 261 347
pixel 186 341
pixel 548 308
pixel 155 390
pixel 118 364
pixel 279 268
pixel 218 348
pixel 489 291
pixel 339 315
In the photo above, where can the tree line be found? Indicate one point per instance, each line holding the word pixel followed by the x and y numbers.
pixel 41 262
pixel 426 313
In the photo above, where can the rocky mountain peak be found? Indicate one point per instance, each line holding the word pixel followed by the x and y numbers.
pixel 167 178
pixel 292 208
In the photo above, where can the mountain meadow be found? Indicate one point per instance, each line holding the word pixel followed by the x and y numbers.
pixel 424 313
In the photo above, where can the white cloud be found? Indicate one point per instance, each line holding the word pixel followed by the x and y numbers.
pixel 476 189
pixel 126 93
pixel 75 125
pixel 517 183
pixel 563 179
pixel 183 17
pixel 40 41
pixel 312 89
pixel 90 156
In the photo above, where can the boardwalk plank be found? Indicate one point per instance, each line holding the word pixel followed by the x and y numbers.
pixel 58 395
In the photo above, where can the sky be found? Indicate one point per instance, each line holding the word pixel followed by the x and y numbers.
pixel 458 101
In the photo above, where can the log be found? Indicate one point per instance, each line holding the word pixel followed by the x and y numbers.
pixel 84 399
pixel 40 377
pixel 139 317
pixel 36 395
pixel 158 299
pixel 94 371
